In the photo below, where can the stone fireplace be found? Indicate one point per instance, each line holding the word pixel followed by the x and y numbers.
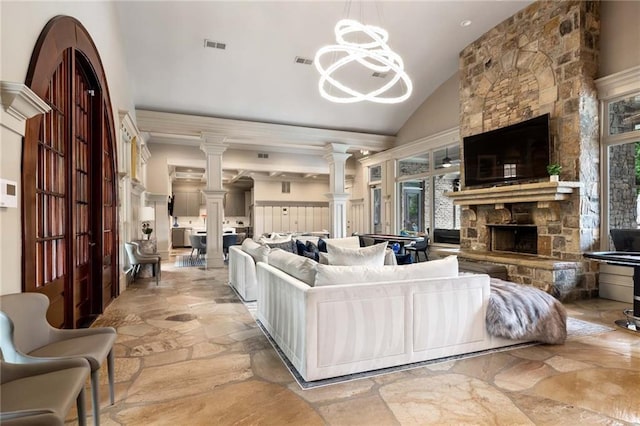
pixel 541 60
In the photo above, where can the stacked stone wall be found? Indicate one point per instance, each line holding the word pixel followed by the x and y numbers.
pixel 543 60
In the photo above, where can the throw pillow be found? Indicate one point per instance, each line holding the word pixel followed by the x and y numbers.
pixel 372 255
pixel 322 245
pixel 323 258
pixel 333 275
pixel 258 251
pixel 299 267
pixel 347 242
pixel 289 246
pixel 301 247
pixel 313 248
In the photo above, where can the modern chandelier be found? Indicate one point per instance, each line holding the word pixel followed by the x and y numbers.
pixel 373 53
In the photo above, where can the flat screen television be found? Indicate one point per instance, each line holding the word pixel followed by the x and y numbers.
pixel 516 153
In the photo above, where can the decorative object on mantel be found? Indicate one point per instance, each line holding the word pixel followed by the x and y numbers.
pixel 554 170
pixel 364 46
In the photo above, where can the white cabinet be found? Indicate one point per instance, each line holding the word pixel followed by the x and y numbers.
pixel 186 204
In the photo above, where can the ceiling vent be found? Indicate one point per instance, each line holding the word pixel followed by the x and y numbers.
pixel 263 155
pixel 303 61
pixel 379 74
pixel 215 44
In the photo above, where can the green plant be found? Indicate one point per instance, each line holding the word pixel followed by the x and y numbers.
pixel 554 169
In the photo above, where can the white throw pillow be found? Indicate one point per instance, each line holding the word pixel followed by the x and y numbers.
pixel 347 242
pixel 258 251
pixel 275 239
pixel 299 267
pixel 334 275
pixel 372 255
pixel 390 257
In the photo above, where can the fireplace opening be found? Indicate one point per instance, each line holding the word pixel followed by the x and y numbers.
pixel 514 238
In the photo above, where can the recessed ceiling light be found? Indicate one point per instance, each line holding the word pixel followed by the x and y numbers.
pixel 465 23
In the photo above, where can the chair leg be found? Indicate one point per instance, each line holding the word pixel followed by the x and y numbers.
pixel 82 409
pixel 110 372
pixel 156 273
pixel 95 396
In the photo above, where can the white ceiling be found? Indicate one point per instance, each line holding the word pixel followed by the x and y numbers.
pixel 256 78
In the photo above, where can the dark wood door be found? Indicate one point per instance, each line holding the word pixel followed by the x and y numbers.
pixel 69 190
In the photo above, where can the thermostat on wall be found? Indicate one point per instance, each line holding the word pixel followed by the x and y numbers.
pixel 8 193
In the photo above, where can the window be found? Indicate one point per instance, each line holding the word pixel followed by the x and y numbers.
pixel 621 152
pixel 423 181
pixel 376 209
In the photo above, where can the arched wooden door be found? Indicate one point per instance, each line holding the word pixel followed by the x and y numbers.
pixel 69 190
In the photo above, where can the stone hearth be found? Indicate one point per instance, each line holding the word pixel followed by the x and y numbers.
pixel 541 60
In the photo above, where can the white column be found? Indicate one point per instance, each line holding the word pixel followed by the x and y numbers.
pixel 213 146
pixel 336 155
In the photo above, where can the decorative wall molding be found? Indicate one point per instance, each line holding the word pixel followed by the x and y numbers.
pixel 20 104
pixel 239 134
pixel 618 84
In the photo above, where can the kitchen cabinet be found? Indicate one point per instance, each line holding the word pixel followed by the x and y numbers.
pixel 177 237
pixel 234 204
pixel 187 204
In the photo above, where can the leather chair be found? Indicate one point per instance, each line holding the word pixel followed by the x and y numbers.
pixel 42 393
pixel 137 260
pixel 27 337
pixel 417 248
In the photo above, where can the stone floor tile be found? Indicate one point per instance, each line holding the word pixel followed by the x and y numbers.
pixel 450 399
pixel 522 375
pixel 359 411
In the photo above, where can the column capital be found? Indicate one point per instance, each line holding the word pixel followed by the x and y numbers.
pixel 338 148
pixel 213 144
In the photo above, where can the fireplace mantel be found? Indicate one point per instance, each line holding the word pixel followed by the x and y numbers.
pixel 541 192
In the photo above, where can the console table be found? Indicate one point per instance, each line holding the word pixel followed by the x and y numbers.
pixel 624 258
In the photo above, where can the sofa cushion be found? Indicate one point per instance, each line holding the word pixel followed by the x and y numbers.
pixel 372 255
pixel 289 246
pixel 334 275
pixel 299 267
pixel 258 251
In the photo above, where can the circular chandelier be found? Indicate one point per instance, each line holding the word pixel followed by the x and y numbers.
pixel 374 54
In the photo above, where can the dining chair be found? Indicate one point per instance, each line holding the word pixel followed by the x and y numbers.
pixel 198 245
pixel 27 337
pixel 417 248
pixel 42 393
pixel 227 241
pixel 137 261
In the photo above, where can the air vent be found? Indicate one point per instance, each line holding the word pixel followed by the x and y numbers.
pixel 286 187
pixel 215 44
pixel 263 155
pixel 379 74
pixel 303 61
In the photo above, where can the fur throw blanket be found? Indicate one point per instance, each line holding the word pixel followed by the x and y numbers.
pixel 523 312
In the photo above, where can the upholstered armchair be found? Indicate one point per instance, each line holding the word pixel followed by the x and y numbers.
pixel 42 393
pixel 137 259
pixel 27 337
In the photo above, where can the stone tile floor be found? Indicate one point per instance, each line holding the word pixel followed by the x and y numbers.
pixel 189 353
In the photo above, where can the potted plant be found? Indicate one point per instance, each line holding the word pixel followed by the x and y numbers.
pixel 147 230
pixel 554 170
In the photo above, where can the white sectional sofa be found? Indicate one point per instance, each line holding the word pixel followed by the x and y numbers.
pixel 374 317
pixel 243 259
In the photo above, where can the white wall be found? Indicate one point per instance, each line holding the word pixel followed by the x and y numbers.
pixel 20 26
pixel 619 36
pixel 301 191
pixel 440 111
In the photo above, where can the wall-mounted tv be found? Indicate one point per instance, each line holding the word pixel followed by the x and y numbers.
pixel 516 153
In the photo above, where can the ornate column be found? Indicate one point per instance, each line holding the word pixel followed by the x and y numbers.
pixel 213 146
pixel 336 155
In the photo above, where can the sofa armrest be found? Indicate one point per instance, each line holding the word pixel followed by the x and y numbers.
pixel 242 273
